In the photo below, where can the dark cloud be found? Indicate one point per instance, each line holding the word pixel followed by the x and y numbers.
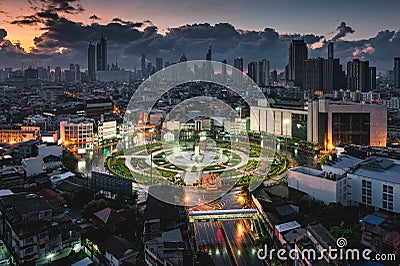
pixel 26 20
pixel 48 14
pixel 3 34
pixel 62 6
pixel 94 17
pixel 343 30
pixel 128 40
pixel 127 22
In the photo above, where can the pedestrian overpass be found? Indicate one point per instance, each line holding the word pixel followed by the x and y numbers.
pixel 222 215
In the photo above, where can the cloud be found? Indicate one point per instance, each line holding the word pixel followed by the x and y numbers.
pixel 343 30
pixel 62 6
pixel 127 22
pixel 26 20
pixel 94 17
pixel 128 40
pixel 48 14
pixel 3 34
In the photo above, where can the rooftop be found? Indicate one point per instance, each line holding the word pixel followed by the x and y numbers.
pixel 317 173
pixel 344 162
pixel 287 226
pixel 379 168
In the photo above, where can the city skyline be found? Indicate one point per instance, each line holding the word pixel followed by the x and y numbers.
pixel 58 30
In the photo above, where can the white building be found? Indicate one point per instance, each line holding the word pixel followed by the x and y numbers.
pixel 319 185
pixel 77 134
pixel 107 130
pixel 376 182
pixel 373 182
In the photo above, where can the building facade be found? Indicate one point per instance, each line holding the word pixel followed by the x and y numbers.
pixel 77 134
pixel 330 123
pixel 297 54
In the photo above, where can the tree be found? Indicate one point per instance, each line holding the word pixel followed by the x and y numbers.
pixel 94 206
pixel 66 196
pixel 338 231
pixel 69 161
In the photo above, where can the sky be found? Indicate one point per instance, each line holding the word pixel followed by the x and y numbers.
pixel 57 32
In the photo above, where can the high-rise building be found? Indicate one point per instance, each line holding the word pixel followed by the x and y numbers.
pixel 208 55
pixel 274 75
pixel 159 64
pixel 102 54
pixel 297 54
pixel 372 75
pixel 322 75
pixel 252 71
pixel 224 73
pixel 358 76
pixel 238 63
pixel 91 62
pixel 57 74
pixel 396 72
pixel 209 71
pixel 314 74
pixel 263 73
pixel 77 73
pixel 330 50
pixel 143 66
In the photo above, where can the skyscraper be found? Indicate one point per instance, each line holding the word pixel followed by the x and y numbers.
pixel 297 54
pixel 396 72
pixel 57 74
pixel 263 72
pixel 209 69
pixel 91 62
pixel 372 75
pixel 208 55
pixel 358 76
pixel 252 71
pixel 324 75
pixel 314 74
pixel 143 66
pixel 77 73
pixel 330 50
pixel 224 73
pixel 102 54
pixel 159 64
pixel 238 63
pixel 274 75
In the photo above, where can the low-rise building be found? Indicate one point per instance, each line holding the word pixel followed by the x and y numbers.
pixel 33 166
pixel 32 232
pixel 77 134
pixel 166 249
pixel 373 182
pixel 325 186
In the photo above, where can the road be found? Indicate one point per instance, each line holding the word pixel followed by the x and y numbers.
pixel 238 234
pixel 210 239
pixel 228 242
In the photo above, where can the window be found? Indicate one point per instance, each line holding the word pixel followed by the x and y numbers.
pixel 366 192
pixel 387 197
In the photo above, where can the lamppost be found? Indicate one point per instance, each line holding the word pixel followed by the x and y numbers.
pixel 151 157
pixel 286 124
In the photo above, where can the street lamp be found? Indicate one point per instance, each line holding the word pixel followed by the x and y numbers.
pixel 151 157
pixel 286 122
